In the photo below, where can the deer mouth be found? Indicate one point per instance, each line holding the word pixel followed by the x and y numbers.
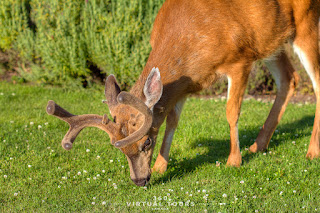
pixel 142 181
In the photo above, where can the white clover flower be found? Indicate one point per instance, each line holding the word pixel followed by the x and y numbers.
pixel 111 161
pixel 31 123
pixel 64 178
pixel 94 198
pixel 94 178
pixel 224 195
pixel 15 194
pixel 104 203
pixel 88 179
pixel 204 191
pixel 29 166
pixel 294 191
pixel 39 126
pixel 46 123
pixel 281 193
pixel 12 122
pixel 109 179
pixel 87 150
pixel 59 186
pixel 98 157
pixel 254 197
pixel 84 171
pixel 93 203
pixel 1 93
pixel 242 181
pixel 98 175
pixel 103 171
pixel 79 173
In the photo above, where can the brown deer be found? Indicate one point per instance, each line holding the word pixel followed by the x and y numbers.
pixel 194 42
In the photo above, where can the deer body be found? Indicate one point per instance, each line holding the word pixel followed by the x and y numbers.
pixel 194 42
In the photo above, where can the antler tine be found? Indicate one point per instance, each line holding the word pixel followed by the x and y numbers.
pixel 78 122
pixel 129 99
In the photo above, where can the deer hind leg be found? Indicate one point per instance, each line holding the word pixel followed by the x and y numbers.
pixel 237 81
pixel 286 80
pixel 171 125
pixel 306 46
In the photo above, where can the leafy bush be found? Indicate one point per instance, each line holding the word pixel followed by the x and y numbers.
pixel 71 42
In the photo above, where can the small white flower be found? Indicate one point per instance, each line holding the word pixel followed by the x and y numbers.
pixel 79 173
pixel 88 179
pixel 93 203
pixel 242 181
pixel 87 150
pixel 181 188
pixel 293 142
pixel 39 126
pixel 1 93
pixel 15 194
pixel 254 197
pixel 224 195
pixel 59 186
pixel 12 122
pixel 94 178
pixel 84 171
pixel 64 178
pixel 13 94
pixel 109 179
pixel 98 175
pixel 264 153
pixel 29 166
pixel 294 191
pixel 98 157
pixel 115 187
pixel 94 198
pixel 104 203
pixel 31 123
pixel 103 171
pixel 4 141
pixel 111 161
pixel 145 188
pixel 288 182
pixel 59 167
pixel 281 193
pixel 204 191
pixel 46 123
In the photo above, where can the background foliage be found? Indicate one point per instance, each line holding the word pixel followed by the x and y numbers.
pixel 76 43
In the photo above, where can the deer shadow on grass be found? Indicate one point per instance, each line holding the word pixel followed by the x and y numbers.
pixel 218 150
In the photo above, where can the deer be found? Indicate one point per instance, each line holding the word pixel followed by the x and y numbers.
pixel 195 43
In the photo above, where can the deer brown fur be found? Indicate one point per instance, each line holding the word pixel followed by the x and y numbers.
pixel 194 42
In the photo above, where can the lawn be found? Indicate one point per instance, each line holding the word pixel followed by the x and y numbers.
pixel 37 174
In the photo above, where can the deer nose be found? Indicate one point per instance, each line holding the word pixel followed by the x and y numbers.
pixel 142 181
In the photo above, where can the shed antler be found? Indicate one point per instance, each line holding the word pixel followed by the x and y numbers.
pixel 78 122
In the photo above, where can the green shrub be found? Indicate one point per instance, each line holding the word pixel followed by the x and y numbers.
pixel 70 42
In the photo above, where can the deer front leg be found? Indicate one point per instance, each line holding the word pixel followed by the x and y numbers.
pixel 286 80
pixel 237 82
pixel 171 125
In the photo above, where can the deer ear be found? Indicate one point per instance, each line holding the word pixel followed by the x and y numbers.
pixel 111 91
pixel 153 88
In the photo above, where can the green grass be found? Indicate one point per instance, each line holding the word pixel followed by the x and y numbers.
pixel 280 179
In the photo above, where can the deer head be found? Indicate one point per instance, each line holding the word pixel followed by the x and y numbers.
pixel 131 127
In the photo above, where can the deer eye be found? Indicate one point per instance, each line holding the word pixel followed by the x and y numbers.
pixel 147 144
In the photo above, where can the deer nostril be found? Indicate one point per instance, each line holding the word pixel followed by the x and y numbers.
pixel 142 182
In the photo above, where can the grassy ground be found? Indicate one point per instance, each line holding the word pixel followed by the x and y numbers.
pixel 36 174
